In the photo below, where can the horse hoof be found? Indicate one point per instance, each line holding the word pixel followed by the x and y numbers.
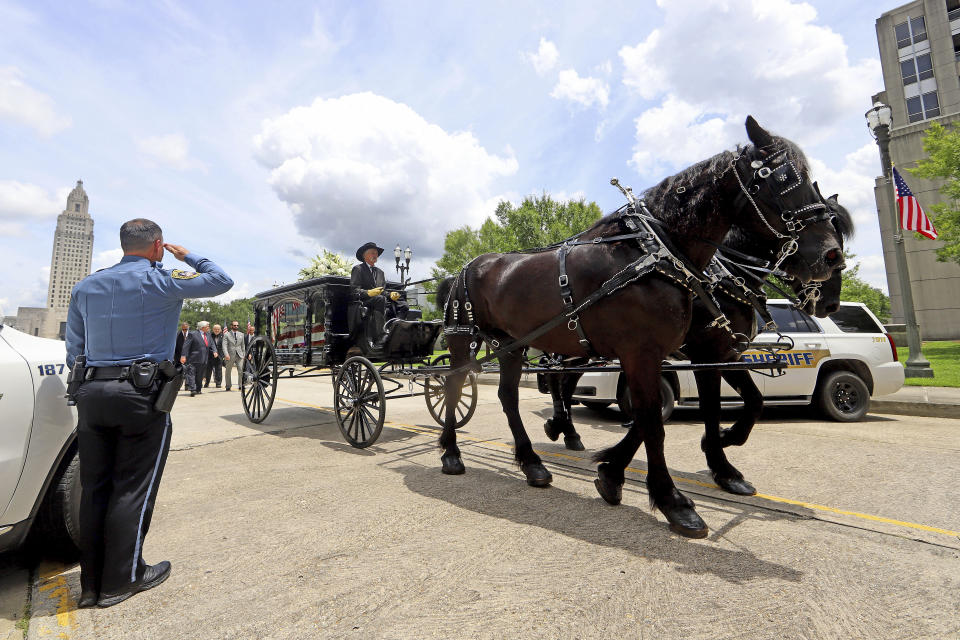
pixel 537 474
pixel 609 490
pixel 686 522
pixel 573 443
pixel 736 486
pixel 452 465
pixel 553 432
pixel 628 424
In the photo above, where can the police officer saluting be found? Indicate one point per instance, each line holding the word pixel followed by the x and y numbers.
pixel 123 321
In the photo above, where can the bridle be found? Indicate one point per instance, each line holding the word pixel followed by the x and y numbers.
pixel 780 180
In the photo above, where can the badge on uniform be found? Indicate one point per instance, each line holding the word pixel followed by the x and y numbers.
pixel 180 274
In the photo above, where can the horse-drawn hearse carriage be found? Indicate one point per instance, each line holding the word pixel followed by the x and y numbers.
pixel 318 328
pixel 681 266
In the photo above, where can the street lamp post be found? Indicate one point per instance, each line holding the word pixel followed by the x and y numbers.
pixel 879 120
pixel 403 268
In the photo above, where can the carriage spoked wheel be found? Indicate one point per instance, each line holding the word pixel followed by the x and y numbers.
pixel 435 394
pixel 359 401
pixel 258 384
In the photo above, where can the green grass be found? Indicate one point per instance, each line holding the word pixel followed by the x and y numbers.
pixel 944 357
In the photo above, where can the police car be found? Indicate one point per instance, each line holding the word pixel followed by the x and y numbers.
pixel 39 469
pixel 837 364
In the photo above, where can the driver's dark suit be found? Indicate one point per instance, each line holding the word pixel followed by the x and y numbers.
pixel 380 308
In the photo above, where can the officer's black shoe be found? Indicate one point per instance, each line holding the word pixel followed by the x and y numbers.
pixel 87 599
pixel 193 393
pixel 153 576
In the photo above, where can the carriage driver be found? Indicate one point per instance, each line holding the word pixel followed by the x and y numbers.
pixel 368 282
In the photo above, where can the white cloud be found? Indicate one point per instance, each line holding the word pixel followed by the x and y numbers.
pixel 104 259
pixel 362 167
pixel 544 59
pixel 678 134
pixel 24 104
pixel 765 57
pixel 171 150
pixel 21 202
pixel 853 182
pixel 586 91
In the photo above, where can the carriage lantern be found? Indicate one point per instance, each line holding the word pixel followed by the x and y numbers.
pixel 403 268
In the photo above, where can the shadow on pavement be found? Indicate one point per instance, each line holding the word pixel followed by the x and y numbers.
pixel 497 494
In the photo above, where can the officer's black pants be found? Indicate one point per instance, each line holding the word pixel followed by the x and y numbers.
pixel 123 444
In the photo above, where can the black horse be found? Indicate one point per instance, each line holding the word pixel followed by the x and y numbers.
pixel 511 300
pixel 705 344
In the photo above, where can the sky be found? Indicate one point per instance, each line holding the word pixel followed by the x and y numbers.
pixel 257 134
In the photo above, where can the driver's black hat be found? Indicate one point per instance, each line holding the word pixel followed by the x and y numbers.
pixel 369 245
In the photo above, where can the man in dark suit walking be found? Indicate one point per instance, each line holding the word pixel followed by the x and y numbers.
pixel 198 348
pixel 181 336
pixel 368 283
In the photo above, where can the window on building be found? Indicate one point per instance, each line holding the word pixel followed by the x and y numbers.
pixel 919 68
pixel 910 32
pixel 931 105
pixel 914 109
pixel 902 31
pixel 919 29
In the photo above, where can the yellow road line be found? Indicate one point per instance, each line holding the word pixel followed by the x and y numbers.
pixel 709 485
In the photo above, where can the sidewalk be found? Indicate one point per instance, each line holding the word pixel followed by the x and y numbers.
pixel 934 402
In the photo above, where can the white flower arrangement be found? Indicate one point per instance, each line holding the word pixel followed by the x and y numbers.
pixel 326 263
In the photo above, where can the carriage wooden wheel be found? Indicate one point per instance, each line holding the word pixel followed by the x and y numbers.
pixel 258 384
pixel 435 395
pixel 359 401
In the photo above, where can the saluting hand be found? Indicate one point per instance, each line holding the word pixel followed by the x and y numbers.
pixel 178 252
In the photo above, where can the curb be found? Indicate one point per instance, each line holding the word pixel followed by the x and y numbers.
pixel 922 409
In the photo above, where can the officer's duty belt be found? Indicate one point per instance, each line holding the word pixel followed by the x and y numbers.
pixel 108 373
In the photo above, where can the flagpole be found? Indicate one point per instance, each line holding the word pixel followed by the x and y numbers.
pixel 917 366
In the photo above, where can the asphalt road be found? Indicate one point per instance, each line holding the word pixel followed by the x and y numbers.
pixel 281 530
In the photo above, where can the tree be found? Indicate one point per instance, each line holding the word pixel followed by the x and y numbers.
pixel 196 310
pixel 326 263
pixel 854 289
pixel 538 221
pixel 942 146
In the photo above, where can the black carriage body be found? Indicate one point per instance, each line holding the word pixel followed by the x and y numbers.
pixel 308 324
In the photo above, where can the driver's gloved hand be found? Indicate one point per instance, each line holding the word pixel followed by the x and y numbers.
pixel 394 295
pixel 373 293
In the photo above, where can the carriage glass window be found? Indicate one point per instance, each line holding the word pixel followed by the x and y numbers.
pixel 854 320
pixel 914 109
pixel 931 106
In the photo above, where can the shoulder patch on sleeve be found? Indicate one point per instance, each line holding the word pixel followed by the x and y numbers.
pixel 180 274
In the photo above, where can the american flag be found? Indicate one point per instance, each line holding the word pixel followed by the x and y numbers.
pixel 912 217
pixel 277 314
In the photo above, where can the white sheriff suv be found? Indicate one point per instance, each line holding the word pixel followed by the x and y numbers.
pixel 837 364
pixel 39 469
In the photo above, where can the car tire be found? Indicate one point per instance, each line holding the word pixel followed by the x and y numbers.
pixel 667 399
pixel 843 396
pixel 595 405
pixel 58 521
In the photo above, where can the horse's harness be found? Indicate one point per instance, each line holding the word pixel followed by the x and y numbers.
pixel 658 254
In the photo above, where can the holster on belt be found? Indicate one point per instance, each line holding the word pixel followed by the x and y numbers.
pixel 171 378
pixel 75 378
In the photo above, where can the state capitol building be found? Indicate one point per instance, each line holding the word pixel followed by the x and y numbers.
pixel 69 264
